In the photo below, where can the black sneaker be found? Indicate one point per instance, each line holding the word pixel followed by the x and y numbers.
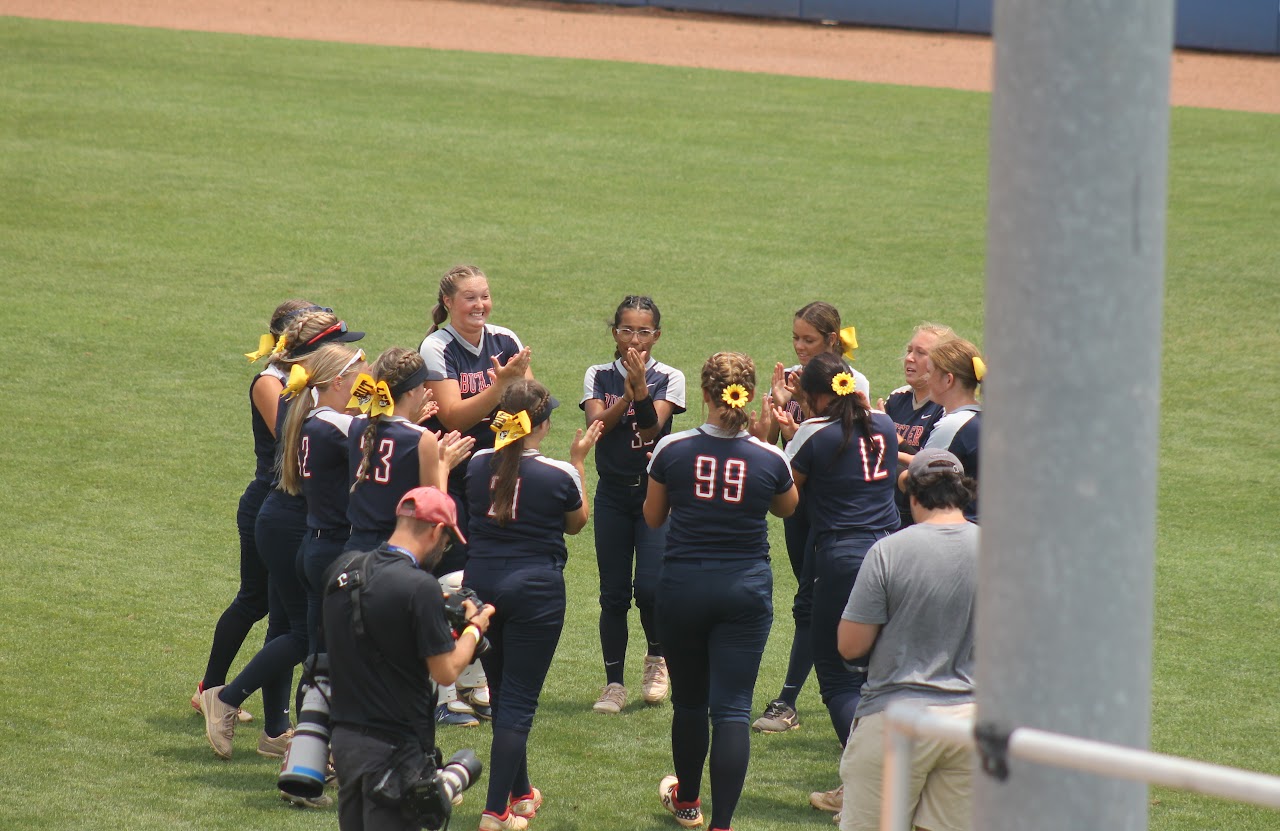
pixel 779 717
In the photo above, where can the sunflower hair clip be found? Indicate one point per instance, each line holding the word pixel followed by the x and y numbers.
pixel 736 396
pixel 842 384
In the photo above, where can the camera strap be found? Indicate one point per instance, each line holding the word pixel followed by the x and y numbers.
pixel 353 577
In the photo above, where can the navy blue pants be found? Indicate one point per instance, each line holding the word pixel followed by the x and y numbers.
pixel 282 522
pixel 250 603
pixel 713 618
pixel 624 541
pixel 528 596
pixel 319 550
pixel 837 556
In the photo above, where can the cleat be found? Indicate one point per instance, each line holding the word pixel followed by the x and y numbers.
pixel 688 814
pixel 321 801
pixel 832 801
pixel 448 715
pixel 477 698
pixel 274 747
pixel 243 715
pixel 507 822
pixel 656 681
pixel 527 806
pixel 612 699
pixel 779 717
pixel 219 722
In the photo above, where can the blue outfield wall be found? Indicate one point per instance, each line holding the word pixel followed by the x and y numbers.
pixel 1220 25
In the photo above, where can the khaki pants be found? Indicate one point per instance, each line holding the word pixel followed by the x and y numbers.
pixel 941 777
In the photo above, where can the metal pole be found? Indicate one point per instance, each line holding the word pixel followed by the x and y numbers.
pixel 895 795
pixel 1079 146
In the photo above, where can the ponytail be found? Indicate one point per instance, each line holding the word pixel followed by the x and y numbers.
pixel 393 366
pixel 522 396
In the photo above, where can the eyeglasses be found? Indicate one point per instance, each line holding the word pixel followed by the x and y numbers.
pixel 627 331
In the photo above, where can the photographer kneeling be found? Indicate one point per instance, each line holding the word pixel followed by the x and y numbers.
pixel 386 631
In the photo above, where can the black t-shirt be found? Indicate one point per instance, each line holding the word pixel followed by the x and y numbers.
pixel 376 678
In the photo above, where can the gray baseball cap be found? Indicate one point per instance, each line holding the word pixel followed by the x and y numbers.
pixel 934 460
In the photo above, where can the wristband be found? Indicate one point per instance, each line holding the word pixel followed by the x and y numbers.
pixel 646 413
pixel 475 630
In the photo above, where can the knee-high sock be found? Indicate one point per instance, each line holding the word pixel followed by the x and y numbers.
pixel 690 740
pixel 730 752
pixel 506 762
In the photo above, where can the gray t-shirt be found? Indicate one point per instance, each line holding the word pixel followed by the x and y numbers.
pixel 918 584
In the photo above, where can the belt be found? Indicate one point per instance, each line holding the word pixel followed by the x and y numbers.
pixel 329 533
pixel 637 481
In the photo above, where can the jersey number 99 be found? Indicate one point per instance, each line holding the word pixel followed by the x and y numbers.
pixel 729 481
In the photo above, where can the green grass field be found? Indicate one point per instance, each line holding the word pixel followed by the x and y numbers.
pixel 162 191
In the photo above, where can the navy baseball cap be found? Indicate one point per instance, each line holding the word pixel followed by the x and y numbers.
pixel 934 460
pixel 337 333
pixel 543 415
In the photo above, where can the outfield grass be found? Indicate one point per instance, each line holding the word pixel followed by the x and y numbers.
pixel 164 190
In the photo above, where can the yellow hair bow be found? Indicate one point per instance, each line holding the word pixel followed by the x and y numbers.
pixel 362 393
pixel 509 427
pixel 266 344
pixel 979 367
pixel 298 377
pixel 849 341
pixel 281 345
pixel 381 403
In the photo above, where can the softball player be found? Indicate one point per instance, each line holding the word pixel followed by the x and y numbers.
pixel 279 530
pixel 389 454
pixel 521 505
pixel 470 363
pixel 815 330
pixel 634 397
pixel 715 594
pixel 314 464
pixel 250 603
pixel 910 407
pixel 845 460
pixel 956 371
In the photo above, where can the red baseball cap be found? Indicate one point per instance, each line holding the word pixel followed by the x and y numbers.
pixel 430 505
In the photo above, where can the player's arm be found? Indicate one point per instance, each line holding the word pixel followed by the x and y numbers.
pixel 429 472
pixel 445 668
pixel 608 416
pixel 656 505
pixel 266 399
pixel 458 413
pixel 784 504
pixel 583 441
pixel 854 640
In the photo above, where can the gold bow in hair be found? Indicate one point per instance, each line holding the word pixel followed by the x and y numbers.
pixel 281 345
pixel 848 341
pixel 298 377
pixel 362 393
pixel 381 403
pixel 509 427
pixel 979 367
pixel 266 345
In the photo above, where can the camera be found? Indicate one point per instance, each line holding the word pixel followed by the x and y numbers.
pixel 305 762
pixel 430 800
pixel 457 615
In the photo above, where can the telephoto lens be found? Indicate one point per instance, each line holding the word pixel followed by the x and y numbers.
pixel 459 773
pixel 431 800
pixel 307 758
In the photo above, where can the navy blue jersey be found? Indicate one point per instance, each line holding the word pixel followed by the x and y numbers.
pixel 914 426
pixel 264 444
pixel 324 462
pixel 719 488
pixel 546 490
pixel 957 431
pixel 448 355
pixel 792 374
pixel 849 489
pixel 621 452
pixel 393 472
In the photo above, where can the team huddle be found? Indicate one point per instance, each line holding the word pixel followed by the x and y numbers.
pixel 430 459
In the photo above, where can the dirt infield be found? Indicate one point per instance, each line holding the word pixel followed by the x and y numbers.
pixel 646 36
